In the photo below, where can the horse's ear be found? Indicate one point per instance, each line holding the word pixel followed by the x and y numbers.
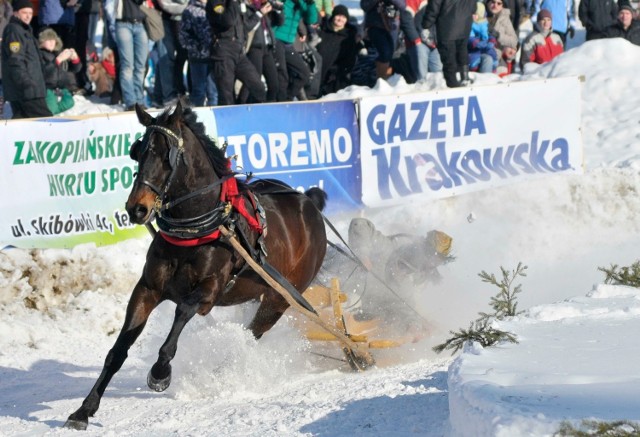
pixel 177 114
pixel 143 117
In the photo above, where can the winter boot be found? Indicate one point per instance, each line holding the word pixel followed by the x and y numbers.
pixel 450 78
pixel 464 76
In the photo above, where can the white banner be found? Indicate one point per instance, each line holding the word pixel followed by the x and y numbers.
pixel 65 181
pixel 448 142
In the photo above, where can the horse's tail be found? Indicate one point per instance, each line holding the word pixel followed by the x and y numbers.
pixel 318 196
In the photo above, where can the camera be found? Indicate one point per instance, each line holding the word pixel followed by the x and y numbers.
pixel 275 4
pixel 389 9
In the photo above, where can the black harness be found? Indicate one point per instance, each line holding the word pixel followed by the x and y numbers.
pixel 192 227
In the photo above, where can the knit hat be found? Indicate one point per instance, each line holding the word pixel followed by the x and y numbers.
pixel 21 4
pixel 480 12
pixel 340 10
pixel 622 4
pixel 544 13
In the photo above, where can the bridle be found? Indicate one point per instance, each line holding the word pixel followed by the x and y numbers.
pixel 179 227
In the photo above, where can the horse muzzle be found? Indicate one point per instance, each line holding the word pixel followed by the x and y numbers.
pixel 140 207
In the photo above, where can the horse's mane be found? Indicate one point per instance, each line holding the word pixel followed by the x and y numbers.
pixel 216 155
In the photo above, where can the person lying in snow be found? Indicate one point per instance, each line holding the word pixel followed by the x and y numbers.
pixel 400 256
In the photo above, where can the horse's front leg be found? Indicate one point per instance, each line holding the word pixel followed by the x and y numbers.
pixel 141 303
pixel 200 300
pixel 159 376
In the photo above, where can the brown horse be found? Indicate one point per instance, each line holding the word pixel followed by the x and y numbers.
pixel 184 181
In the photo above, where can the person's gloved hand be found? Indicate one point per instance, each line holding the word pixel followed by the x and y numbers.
pixel 571 32
pixel 427 39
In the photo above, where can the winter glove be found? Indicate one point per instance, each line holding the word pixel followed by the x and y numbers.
pixel 427 39
pixel 571 32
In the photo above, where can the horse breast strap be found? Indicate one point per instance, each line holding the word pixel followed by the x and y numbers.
pixel 230 200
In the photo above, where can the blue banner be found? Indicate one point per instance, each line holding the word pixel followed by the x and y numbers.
pixel 302 144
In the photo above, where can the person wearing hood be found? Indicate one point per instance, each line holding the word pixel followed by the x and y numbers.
pixel 626 27
pixel 339 50
pixel 482 53
pixel 59 66
pixel 23 79
pixel 543 44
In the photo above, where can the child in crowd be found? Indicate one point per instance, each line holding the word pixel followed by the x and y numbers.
pixel 543 44
pixel 59 66
pixel 482 53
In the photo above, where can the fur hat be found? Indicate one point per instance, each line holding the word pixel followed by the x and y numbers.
pixel 340 10
pixel 544 13
pixel 48 34
pixel 480 12
pixel 21 4
pixel 625 4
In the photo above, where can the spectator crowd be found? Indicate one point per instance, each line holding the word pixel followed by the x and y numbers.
pixel 254 51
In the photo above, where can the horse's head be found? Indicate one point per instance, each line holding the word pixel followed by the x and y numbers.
pixel 180 173
pixel 158 153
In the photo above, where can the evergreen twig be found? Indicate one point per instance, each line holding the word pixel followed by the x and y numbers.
pixel 478 331
pixel 591 428
pixel 504 305
pixel 628 275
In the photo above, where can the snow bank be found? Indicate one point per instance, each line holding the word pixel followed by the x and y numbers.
pixel 575 359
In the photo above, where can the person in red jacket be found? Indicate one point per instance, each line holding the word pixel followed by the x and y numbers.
pixel 543 44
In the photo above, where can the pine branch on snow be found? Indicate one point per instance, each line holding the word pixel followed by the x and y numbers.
pixel 616 275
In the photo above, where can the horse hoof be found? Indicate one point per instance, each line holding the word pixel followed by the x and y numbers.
pixel 78 425
pixel 158 385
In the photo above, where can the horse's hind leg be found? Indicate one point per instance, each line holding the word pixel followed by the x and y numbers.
pixel 269 312
pixel 142 302
pixel 159 376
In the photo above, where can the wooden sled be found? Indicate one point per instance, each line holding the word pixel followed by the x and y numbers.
pixel 328 303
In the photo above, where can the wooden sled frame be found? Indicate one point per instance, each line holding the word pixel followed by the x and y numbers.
pixel 357 354
pixel 329 300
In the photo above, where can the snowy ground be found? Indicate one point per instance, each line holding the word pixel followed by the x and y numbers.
pixel 576 358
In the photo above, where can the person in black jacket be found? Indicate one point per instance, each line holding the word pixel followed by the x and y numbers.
pixel 596 16
pixel 381 23
pixel 227 53
pixel 339 50
pixel 453 20
pixel 23 80
pixel 261 17
pixel 60 67
pixel 626 27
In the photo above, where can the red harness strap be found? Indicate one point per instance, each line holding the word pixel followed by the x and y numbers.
pixel 228 193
